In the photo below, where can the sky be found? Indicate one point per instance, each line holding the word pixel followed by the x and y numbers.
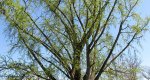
pixel 143 9
pixel 3 40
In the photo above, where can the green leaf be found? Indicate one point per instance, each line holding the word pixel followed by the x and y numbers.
pixel 136 29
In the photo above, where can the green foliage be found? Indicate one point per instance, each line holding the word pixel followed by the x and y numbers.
pixel 75 39
pixel 136 29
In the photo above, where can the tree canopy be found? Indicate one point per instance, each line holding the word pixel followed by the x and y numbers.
pixel 71 39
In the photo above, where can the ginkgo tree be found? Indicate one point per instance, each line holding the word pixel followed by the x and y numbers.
pixel 70 39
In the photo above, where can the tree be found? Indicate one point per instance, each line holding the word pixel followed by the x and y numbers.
pixel 73 39
pixel 146 73
pixel 125 67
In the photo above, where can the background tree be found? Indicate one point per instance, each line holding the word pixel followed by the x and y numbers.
pixel 72 39
pixel 146 73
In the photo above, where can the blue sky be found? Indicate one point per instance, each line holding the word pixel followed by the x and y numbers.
pixel 3 40
pixel 143 9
